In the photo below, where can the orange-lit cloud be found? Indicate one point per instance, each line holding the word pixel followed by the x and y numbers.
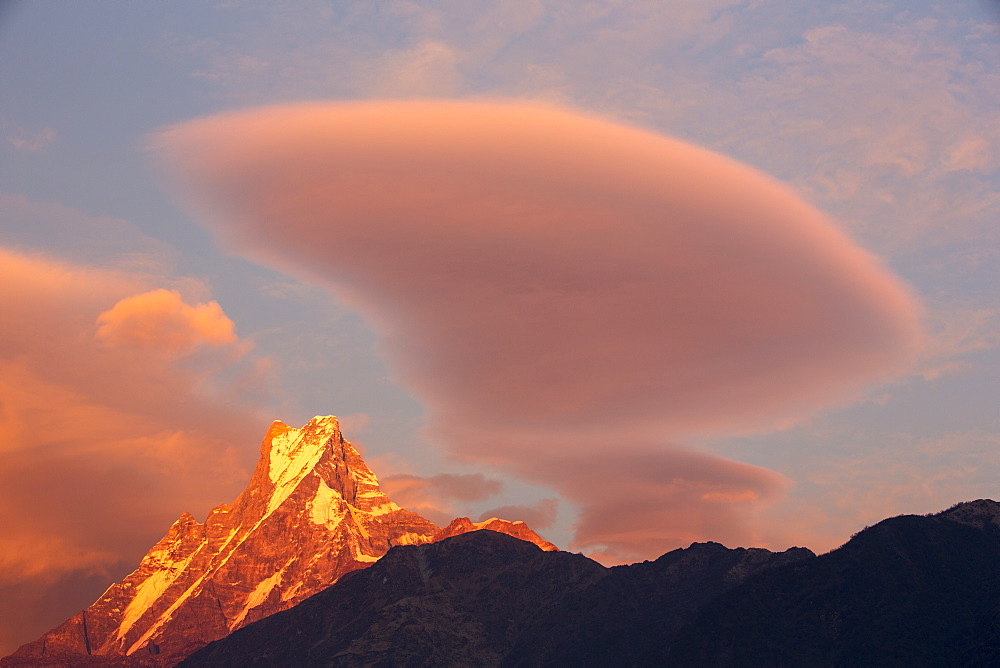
pixel 100 447
pixel 160 320
pixel 576 286
pixel 637 496
pixel 434 496
pixel 654 499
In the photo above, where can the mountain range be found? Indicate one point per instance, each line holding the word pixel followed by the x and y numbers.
pixel 312 512
pixel 909 591
pixel 313 565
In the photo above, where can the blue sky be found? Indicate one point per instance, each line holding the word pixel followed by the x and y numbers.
pixel 882 115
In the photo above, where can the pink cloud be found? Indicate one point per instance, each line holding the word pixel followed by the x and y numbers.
pixel 434 496
pixel 160 320
pixel 654 499
pixel 101 446
pixel 558 279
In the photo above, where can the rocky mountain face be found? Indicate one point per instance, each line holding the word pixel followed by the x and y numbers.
pixel 312 512
pixel 517 529
pixel 487 599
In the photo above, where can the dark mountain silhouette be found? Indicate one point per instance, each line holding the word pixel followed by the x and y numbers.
pixel 612 621
pixel 256 578
pixel 909 591
pixel 488 599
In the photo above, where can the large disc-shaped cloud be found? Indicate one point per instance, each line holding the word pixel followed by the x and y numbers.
pixel 527 265
pixel 563 293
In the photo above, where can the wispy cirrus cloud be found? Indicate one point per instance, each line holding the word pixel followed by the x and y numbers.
pixel 86 240
pixel 867 476
pixel 31 141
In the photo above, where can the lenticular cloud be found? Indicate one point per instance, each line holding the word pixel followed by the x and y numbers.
pixel 554 274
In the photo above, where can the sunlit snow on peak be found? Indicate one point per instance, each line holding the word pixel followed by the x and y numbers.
pixel 293 455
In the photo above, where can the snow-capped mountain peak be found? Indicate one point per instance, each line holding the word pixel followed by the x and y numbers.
pixel 313 511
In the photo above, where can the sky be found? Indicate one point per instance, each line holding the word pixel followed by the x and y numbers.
pixel 638 273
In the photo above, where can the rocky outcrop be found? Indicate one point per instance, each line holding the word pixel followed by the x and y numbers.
pixel 517 529
pixel 313 511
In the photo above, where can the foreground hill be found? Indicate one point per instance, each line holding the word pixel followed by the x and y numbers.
pixel 488 599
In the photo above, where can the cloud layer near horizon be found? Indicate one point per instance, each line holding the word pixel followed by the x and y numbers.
pixel 434 497
pixel 101 444
pixel 562 291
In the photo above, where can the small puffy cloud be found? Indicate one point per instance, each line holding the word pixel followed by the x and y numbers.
pixel 160 320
